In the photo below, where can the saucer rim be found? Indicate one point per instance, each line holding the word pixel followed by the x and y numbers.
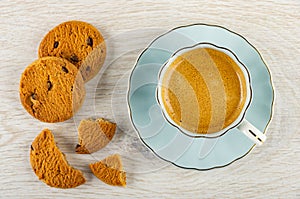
pixel 190 25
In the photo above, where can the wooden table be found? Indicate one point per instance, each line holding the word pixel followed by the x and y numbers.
pixel 269 171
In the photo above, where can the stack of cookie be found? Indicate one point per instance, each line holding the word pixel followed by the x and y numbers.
pixel 52 87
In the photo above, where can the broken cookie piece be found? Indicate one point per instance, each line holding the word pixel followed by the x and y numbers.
pixel 93 135
pixel 109 170
pixel 50 164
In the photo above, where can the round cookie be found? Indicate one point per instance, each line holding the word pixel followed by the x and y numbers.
pixel 51 89
pixel 78 42
pixel 51 165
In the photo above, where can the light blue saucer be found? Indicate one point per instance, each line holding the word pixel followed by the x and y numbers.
pixel 164 139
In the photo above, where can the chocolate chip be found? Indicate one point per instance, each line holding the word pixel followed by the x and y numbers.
pixel 74 58
pixel 88 69
pixel 33 96
pixel 77 146
pixel 89 42
pixel 31 147
pixel 65 69
pixel 71 88
pixel 33 111
pixel 49 84
pixel 55 44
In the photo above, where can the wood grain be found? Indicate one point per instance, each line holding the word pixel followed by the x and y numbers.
pixel 270 171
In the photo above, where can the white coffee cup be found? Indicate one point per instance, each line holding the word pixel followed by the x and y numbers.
pixel 240 123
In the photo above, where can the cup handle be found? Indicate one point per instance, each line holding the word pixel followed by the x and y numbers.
pixel 252 132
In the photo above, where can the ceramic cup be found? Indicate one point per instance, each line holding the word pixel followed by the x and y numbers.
pixel 240 122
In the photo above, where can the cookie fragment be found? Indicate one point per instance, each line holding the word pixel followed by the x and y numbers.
pixel 109 170
pixel 93 135
pixel 78 42
pixel 50 164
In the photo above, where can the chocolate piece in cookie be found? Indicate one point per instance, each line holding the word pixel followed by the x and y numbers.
pixel 94 135
pixel 50 164
pixel 78 42
pixel 52 89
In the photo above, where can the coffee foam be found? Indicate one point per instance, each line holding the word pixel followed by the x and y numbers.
pixel 203 90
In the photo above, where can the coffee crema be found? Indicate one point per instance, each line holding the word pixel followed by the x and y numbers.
pixel 203 90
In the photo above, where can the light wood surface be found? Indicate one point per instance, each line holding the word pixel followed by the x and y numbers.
pixel 269 171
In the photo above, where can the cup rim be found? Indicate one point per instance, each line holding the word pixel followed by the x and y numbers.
pixel 236 122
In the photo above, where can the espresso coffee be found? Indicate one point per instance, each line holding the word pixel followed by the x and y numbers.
pixel 203 90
